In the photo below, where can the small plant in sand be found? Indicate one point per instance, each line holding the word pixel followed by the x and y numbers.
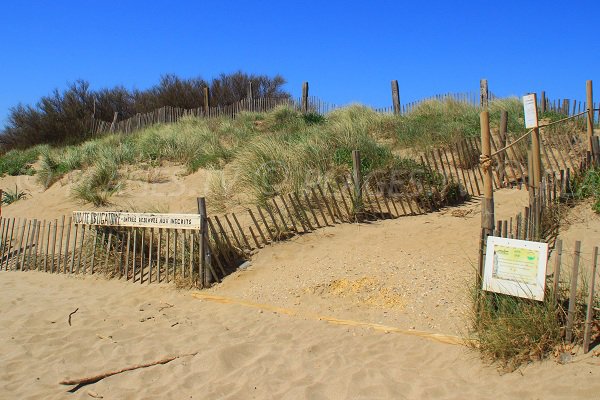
pixel 10 196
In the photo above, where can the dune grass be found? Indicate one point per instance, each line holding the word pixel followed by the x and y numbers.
pixel 19 162
pixel 268 152
pixel 512 331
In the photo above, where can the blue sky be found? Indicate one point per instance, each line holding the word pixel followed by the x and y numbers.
pixel 348 51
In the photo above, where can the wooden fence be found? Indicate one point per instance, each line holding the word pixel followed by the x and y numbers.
pixel 168 115
pixel 148 255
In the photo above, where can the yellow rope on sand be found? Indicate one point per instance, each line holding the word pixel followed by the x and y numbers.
pixel 437 337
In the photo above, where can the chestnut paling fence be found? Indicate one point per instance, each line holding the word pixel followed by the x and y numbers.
pixel 441 177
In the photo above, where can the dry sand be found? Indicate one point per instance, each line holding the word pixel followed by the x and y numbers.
pixel 410 273
pixel 156 189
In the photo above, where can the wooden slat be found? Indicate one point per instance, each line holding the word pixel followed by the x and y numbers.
pixel 242 234
pixel 60 242
pixel 557 264
pixel 298 211
pixel 286 228
pixel 38 250
pixel 158 248
pixel 108 247
pixel 134 256
pixel 67 243
pixel 167 254
pixel 350 216
pixel 289 213
pixel 20 245
pixel 3 243
pixel 590 303
pixel 262 236
pixel 573 292
pixel 235 237
pixel 318 203
pixel 150 244
pixel 72 265
pixel 326 202
pixel 310 208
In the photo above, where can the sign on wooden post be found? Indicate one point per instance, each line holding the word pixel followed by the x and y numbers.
pixel 530 109
pixel 515 267
pixel 137 220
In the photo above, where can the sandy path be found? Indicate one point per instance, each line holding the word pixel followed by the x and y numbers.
pixel 410 272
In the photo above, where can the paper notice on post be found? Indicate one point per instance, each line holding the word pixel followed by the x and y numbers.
pixel 515 267
pixel 530 109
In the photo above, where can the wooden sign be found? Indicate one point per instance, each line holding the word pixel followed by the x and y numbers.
pixel 515 267
pixel 531 113
pixel 137 220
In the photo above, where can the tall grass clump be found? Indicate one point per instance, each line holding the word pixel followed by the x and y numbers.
pixel 513 331
pixel 437 122
pixel 98 184
pixel 19 162
pixel 440 122
pixel 302 153
pixel 588 186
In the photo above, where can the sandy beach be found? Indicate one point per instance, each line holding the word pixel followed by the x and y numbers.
pixel 242 352
pixel 267 332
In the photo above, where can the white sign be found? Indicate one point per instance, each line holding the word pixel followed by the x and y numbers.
pixel 138 220
pixel 530 108
pixel 515 267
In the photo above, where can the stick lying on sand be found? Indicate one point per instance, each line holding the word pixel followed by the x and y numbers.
pixel 96 378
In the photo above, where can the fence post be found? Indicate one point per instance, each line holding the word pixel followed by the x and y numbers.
pixel 206 101
pixel 357 177
pixel 249 94
pixel 502 155
pixel 483 93
pixel 205 256
pixel 536 169
pixel 396 97
pixel 114 121
pixel 543 102
pixel 305 97
pixel 590 116
pixel 590 304
pixel 487 204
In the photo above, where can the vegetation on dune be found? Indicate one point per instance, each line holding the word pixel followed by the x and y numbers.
pixel 19 162
pixel 63 117
pixel 513 331
pixel 10 196
pixel 268 153
pixel 588 186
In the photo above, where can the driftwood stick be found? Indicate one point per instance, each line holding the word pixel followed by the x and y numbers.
pixel 70 315
pixel 96 378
